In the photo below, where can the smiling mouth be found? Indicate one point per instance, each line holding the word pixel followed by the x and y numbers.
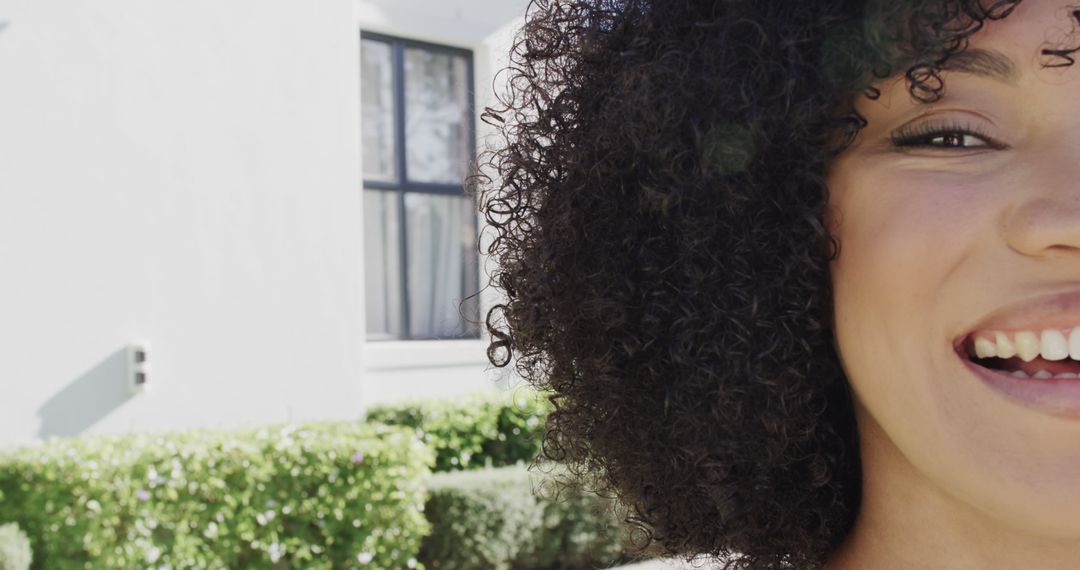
pixel 1031 366
pixel 1029 353
pixel 1042 384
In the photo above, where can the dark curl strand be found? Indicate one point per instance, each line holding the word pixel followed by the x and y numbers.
pixel 656 211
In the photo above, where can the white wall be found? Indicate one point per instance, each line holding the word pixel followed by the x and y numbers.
pixel 188 172
pixel 461 23
pixel 184 172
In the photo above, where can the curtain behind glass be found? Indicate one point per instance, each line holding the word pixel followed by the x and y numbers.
pixel 382 265
pixel 442 264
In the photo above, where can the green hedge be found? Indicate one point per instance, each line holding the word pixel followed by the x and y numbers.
pixel 494 519
pixel 489 429
pixel 15 553
pixel 340 495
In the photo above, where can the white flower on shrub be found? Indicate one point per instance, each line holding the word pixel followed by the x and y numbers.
pixel 276 551
pixel 177 469
pixel 155 478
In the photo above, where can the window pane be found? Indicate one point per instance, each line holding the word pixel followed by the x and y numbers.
pixel 436 116
pixel 382 265
pixel 377 110
pixel 442 265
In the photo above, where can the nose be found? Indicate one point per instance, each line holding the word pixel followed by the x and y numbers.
pixel 1045 226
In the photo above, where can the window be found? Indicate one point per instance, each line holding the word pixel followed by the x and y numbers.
pixel 418 139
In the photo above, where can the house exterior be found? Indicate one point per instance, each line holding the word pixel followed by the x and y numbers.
pixel 230 213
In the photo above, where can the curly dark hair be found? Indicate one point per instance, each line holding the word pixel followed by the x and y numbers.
pixel 657 218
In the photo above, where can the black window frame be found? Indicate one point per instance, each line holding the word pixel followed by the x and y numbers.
pixel 401 183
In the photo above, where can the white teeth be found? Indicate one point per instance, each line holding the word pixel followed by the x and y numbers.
pixel 1006 348
pixel 1043 374
pixel 985 348
pixel 1027 345
pixel 1074 344
pixel 1054 345
pixel 1050 344
pixel 1020 374
pixel 1067 375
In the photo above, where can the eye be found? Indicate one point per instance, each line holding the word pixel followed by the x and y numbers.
pixel 952 140
pixel 943 137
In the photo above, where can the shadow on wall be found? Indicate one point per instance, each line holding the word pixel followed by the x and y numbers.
pixel 88 399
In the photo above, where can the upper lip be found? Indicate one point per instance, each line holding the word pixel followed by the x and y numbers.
pixel 1054 311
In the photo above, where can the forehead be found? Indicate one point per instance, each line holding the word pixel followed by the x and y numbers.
pixel 1036 35
pixel 1010 56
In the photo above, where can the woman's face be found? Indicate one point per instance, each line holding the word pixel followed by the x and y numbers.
pixel 958 219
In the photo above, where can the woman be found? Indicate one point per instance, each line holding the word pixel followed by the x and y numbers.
pixel 802 276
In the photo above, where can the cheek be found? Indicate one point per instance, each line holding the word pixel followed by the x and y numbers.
pixel 903 240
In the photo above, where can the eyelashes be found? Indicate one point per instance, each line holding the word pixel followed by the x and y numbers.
pixel 944 135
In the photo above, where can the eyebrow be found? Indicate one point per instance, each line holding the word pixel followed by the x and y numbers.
pixel 982 62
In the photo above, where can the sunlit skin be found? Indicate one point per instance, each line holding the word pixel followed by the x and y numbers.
pixel 934 237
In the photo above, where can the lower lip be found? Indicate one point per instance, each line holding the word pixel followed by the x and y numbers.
pixel 1055 396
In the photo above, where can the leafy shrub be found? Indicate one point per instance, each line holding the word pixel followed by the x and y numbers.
pixel 488 429
pixel 15 551
pixel 331 495
pixel 493 519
